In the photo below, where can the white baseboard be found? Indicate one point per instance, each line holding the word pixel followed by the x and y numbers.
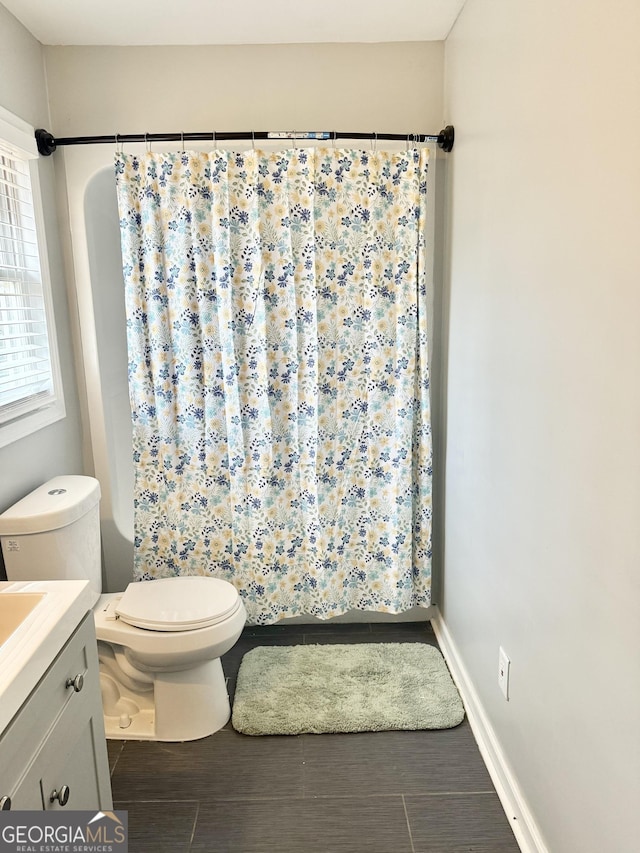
pixel 513 801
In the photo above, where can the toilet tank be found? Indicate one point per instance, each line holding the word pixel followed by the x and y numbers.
pixel 54 533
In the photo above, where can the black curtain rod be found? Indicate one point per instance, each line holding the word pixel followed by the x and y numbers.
pixel 47 143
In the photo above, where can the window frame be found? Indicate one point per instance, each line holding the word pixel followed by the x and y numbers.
pixel 19 136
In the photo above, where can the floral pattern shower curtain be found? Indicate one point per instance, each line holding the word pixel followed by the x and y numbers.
pixel 278 374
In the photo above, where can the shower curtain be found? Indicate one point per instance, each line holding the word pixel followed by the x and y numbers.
pixel 278 375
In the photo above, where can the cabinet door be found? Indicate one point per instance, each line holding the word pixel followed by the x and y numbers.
pixel 69 776
pixel 27 796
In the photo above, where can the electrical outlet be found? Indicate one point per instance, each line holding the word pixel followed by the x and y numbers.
pixel 503 672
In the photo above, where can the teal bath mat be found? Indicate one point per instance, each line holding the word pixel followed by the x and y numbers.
pixel 364 687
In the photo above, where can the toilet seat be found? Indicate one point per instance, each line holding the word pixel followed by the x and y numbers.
pixel 177 604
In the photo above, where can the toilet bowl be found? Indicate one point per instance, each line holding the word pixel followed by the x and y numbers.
pixel 159 642
pixel 160 669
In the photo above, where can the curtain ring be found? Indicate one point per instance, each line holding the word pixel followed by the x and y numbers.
pixel 182 140
pixel 213 138
pixel 374 142
pixel 253 140
pixel 295 141
pixel 333 141
pixel 147 143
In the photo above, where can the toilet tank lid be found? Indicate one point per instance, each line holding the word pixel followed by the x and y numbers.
pixel 55 504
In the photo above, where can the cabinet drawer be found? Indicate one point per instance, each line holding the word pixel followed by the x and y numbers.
pixel 29 728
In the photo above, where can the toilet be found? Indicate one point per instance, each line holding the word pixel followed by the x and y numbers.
pixel 159 642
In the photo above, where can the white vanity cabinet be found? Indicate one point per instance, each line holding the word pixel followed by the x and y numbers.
pixel 53 754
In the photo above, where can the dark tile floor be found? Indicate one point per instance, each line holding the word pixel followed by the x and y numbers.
pixel 378 792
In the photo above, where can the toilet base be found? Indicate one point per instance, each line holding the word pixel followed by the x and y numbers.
pixel 179 706
pixel 142 726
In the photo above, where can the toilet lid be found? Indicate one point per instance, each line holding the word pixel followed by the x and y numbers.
pixel 177 604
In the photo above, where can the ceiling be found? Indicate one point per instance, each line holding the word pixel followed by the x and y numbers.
pixel 146 22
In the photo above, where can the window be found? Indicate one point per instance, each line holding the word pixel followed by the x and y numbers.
pixel 30 384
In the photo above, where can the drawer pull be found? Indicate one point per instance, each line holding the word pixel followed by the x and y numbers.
pixel 62 796
pixel 5 804
pixel 77 683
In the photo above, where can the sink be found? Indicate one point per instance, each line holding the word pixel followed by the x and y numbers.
pixel 14 609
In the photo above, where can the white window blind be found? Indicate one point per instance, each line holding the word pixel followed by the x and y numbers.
pixel 26 379
pixel 30 387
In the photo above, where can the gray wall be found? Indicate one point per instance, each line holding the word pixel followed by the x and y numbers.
pixel 384 87
pixel 543 441
pixel 55 449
